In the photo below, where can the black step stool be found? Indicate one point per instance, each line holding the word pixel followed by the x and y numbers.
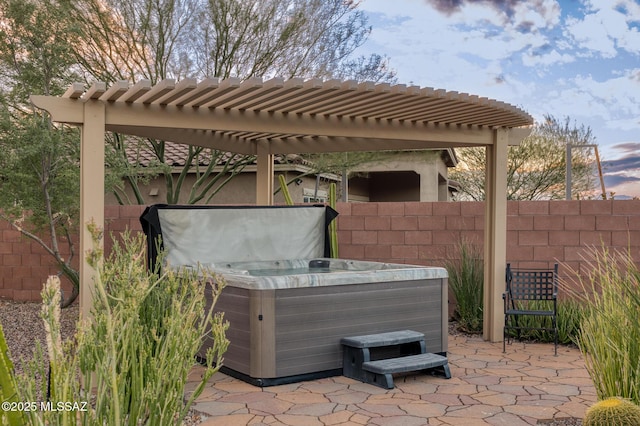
pixel 410 345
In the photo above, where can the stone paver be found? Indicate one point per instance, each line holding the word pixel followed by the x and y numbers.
pixel 488 387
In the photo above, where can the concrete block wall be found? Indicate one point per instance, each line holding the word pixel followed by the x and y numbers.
pixel 539 233
pixel 25 265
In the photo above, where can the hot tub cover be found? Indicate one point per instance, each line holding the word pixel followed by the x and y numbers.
pixel 200 235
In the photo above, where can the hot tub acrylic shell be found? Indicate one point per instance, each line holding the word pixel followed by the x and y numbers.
pixel 285 328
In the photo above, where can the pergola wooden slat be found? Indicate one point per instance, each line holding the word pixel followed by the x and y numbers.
pixel 280 116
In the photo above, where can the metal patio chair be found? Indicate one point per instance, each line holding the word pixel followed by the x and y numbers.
pixel 530 292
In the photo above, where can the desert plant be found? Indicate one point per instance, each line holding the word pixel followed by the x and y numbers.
pixel 612 411
pixel 466 281
pixel 54 378
pixel 609 336
pixel 136 350
pixel 285 190
pixel 8 392
pixel 333 227
pixel 570 314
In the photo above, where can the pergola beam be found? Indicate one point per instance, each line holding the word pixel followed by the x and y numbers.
pixel 127 118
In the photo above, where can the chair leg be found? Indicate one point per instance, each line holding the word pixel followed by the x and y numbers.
pixel 504 339
pixel 504 334
pixel 555 341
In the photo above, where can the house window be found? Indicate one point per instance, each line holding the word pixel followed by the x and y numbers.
pixel 310 196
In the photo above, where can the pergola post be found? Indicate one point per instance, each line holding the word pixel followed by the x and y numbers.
pixel 495 235
pixel 264 174
pixel 91 194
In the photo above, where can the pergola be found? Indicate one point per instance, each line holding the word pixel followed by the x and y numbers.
pixel 280 116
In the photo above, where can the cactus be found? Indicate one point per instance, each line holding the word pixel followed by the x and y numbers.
pixel 8 392
pixel 333 230
pixel 612 411
pixel 285 190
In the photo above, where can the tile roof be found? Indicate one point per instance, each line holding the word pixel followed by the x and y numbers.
pixel 176 155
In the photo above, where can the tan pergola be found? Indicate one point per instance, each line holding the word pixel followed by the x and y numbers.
pixel 280 116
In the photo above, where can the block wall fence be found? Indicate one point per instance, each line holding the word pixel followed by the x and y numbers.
pixel 539 233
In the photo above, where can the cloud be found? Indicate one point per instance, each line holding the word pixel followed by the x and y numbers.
pixel 612 181
pixel 623 166
pixel 622 175
pixel 606 28
pixel 612 100
pixel 521 16
pixel 486 38
pixel 620 94
pixel 631 147
pixel 628 162
pixel 624 187
pixel 538 57
pixel 451 6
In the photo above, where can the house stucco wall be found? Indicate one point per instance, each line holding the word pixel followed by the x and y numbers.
pixel 428 165
pixel 239 190
pixel 424 233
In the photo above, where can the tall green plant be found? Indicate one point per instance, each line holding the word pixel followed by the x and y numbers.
pixel 131 359
pixel 610 331
pixel 333 227
pixel 285 190
pixel 39 178
pixel 8 392
pixel 570 315
pixel 466 281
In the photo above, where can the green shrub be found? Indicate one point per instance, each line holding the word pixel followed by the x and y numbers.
pixel 570 314
pixel 609 336
pixel 466 282
pixel 134 354
pixel 612 412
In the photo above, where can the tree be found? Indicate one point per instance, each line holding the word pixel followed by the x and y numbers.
pixel 47 44
pixel 39 181
pixel 154 40
pixel 536 168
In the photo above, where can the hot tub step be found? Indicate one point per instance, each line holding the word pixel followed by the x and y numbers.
pixel 381 372
pixel 394 352
pixel 383 339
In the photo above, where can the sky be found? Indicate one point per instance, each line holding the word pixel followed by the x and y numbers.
pixel 566 58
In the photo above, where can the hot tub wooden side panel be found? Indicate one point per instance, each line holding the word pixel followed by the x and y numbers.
pixel 309 322
pixel 235 303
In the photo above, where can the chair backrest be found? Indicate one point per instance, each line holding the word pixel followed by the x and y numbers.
pixel 532 284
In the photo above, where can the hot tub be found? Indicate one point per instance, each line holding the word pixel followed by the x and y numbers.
pixel 287 313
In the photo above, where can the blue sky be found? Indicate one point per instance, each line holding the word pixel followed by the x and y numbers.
pixel 567 58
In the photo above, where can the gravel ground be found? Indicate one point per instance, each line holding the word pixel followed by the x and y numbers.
pixel 23 328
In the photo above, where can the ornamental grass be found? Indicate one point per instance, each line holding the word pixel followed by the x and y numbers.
pixel 609 336
pixel 129 362
pixel 466 282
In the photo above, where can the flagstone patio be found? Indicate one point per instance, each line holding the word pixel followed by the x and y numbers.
pixel 523 386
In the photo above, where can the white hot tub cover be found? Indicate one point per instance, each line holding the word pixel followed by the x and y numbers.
pixel 201 235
